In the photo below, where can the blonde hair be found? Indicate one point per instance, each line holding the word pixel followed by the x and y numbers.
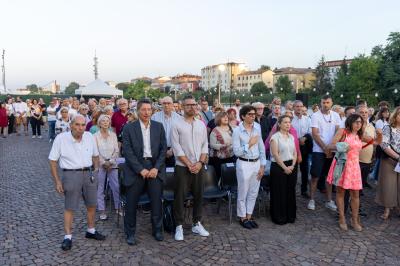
pixel 393 116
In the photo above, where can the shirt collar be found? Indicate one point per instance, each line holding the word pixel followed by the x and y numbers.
pixel 142 124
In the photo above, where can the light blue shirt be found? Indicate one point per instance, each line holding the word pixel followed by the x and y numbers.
pixel 167 123
pixel 240 142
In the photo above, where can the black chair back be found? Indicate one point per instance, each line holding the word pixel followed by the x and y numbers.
pixel 210 181
pixel 228 176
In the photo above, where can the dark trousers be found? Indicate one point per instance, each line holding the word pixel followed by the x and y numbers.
pixel 153 186
pixel 52 129
pixel 304 165
pixel 36 126
pixel 186 181
pixel 283 194
pixel 365 169
pixel 170 162
pixel 11 121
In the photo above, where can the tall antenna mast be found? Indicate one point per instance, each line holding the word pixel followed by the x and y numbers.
pixel 96 72
pixel 3 70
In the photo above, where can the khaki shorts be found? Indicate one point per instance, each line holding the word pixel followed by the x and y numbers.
pixel 44 119
pixel 76 185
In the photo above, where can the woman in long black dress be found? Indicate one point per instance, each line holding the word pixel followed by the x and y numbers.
pixel 283 174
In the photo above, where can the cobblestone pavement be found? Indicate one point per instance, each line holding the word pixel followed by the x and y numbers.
pixel 31 229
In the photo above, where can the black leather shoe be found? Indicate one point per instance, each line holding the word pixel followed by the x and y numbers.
pixel 66 244
pixel 131 240
pixel 246 224
pixel 253 223
pixel 96 236
pixel 158 235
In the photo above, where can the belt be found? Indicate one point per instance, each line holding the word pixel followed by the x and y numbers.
pixel 147 158
pixel 79 169
pixel 248 160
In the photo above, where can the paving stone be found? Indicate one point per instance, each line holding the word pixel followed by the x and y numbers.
pixel 31 228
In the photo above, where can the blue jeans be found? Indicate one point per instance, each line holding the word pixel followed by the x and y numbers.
pixel 52 129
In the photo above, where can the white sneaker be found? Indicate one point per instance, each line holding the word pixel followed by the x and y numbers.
pixel 311 205
pixel 103 217
pixel 33 136
pixel 331 205
pixel 199 229
pixel 179 233
pixel 40 136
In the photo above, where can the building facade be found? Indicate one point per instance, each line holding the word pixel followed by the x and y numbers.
pixel 245 80
pixel 224 75
pixel 334 68
pixel 300 78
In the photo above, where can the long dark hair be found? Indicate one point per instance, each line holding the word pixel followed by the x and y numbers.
pixel 349 123
pixel 380 114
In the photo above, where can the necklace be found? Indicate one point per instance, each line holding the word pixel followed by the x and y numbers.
pixel 330 117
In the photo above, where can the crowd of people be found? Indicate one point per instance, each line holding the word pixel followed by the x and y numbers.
pixel 334 148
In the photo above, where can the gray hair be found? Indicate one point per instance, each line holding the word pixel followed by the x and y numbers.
pixel 75 117
pixel 122 100
pixel 83 106
pixel 108 108
pixel 167 98
pixel 258 104
pixel 297 102
pixel 101 118
pixel 64 108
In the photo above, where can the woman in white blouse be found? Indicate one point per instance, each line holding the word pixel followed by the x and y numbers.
pixel 108 153
pixel 283 174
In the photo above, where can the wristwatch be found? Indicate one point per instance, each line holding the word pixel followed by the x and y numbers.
pixel 202 163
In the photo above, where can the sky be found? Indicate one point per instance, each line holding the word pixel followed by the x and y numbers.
pixel 49 40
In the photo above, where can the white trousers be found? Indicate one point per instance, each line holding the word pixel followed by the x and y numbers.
pixel 248 186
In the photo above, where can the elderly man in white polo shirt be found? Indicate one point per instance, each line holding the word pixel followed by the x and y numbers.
pixel 78 157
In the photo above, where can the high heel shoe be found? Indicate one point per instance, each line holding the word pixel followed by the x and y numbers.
pixel 356 226
pixel 385 215
pixel 343 226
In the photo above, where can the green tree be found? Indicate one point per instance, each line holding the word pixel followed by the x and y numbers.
pixel 122 86
pixel 284 87
pixel 33 88
pixel 360 80
pixel 389 68
pixel 140 89
pixel 259 88
pixel 322 81
pixel 264 67
pixel 70 89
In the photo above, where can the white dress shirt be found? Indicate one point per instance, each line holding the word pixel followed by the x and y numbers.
pixel 146 139
pixel 20 107
pixel 72 154
pixel 302 125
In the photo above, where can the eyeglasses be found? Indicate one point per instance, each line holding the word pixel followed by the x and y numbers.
pixel 358 122
pixel 190 105
pixel 251 114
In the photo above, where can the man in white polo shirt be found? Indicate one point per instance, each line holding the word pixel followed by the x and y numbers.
pixel 324 124
pixel 78 157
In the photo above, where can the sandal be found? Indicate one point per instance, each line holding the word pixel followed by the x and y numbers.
pixel 385 215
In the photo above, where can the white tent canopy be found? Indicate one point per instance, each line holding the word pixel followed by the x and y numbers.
pixel 98 88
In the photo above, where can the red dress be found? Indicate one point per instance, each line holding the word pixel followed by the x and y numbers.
pixel 351 176
pixel 3 117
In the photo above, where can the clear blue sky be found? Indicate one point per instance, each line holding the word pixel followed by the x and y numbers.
pixel 56 39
